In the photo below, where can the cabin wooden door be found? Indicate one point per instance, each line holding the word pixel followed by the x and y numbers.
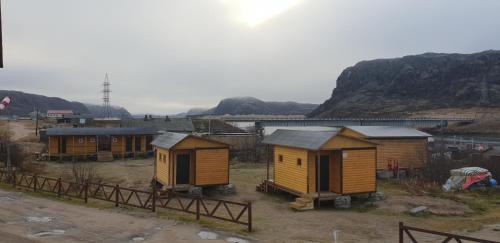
pixel 104 143
pixel 138 144
pixel 324 172
pixel 64 144
pixel 128 143
pixel 182 169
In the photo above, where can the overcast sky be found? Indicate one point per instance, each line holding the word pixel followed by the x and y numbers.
pixel 167 56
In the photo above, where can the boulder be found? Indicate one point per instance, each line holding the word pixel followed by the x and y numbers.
pixel 195 191
pixel 343 202
pixel 418 210
pixel 207 235
pixel 228 189
pixel 377 196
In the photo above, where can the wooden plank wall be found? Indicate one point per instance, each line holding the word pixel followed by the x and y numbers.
pixel 359 172
pixel 287 173
pixel 212 166
pixel 117 145
pixel 163 166
pixel 409 153
pixel 193 143
pixel 80 145
pixel 53 145
pixel 340 142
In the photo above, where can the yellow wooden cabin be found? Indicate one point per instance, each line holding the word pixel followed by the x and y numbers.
pixel 184 160
pixel 397 147
pixel 105 143
pixel 346 164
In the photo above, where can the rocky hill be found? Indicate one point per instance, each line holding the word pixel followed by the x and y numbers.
pixel 412 83
pixel 253 106
pixel 116 111
pixel 24 103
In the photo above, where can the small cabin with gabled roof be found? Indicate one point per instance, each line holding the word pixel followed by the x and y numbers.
pixel 321 164
pixel 397 147
pixel 183 160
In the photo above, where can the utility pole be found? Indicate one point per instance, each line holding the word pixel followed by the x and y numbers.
pixel 36 122
pixel 9 163
pixel 1 42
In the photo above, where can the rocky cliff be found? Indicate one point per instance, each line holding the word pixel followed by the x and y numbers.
pixel 419 82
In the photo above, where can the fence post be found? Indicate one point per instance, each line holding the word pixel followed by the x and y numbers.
pixel 34 182
pixel 249 208
pixel 59 186
pixel 86 193
pixel 117 189
pixel 153 204
pixel 401 226
pixel 13 178
pixel 198 208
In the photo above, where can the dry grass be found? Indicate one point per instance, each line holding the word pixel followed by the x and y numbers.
pixel 273 220
pixel 127 173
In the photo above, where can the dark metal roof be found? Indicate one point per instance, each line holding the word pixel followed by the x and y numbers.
pixel 389 132
pixel 169 139
pixel 160 124
pixel 312 140
pixel 88 131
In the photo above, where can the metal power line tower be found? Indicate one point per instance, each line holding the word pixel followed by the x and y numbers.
pixel 105 99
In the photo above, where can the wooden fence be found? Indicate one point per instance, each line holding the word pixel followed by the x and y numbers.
pixel 403 229
pixel 235 212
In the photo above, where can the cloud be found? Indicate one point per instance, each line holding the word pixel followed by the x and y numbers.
pixel 167 56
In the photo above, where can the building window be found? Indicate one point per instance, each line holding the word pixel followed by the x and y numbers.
pixel 115 140
pixel 299 161
pixel 280 158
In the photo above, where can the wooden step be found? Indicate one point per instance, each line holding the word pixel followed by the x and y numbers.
pixel 105 156
pixel 303 200
pixel 300 207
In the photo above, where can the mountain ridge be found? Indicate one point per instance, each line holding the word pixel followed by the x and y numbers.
pixel 252 106
pixel 415 82
pixel 24 103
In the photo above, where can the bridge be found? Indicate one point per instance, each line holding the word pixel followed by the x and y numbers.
pixel 330 122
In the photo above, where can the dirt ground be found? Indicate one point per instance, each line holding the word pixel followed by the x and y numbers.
pixel 31 219
pixel 275 222
pixel 472 214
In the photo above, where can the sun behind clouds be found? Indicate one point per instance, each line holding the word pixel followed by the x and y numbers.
pixel 255 12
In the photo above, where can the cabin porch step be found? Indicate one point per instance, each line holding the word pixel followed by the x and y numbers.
pixel 302 204
pixel 105 156
pixel 303 200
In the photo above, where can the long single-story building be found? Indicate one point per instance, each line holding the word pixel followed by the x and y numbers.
pixel 103 143
pixel 183 160
pixel 321 164
pixel 397 147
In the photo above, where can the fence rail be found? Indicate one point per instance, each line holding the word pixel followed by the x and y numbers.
pixel 230 211
pixel 404 229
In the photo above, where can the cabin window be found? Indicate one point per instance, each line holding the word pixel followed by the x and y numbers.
pixel 80 140
pixel 299 161
pixel 280 158
pixel 115 140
